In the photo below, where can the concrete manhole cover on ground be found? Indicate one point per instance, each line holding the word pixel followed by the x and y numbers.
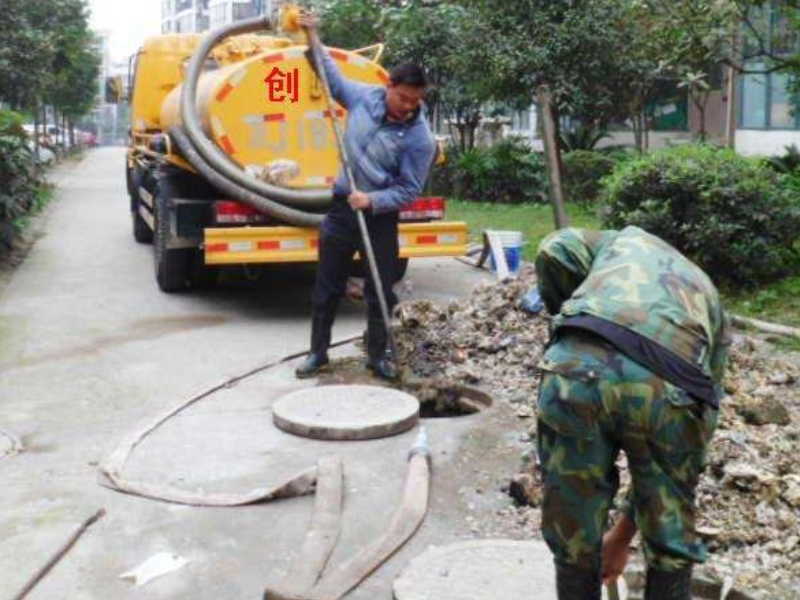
pixel 480 569
pixel 346 412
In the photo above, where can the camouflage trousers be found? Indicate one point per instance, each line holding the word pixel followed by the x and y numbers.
pixel 593 403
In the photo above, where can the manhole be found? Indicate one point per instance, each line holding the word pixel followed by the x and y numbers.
pixel 346 412
pixel 441 399
pixel 507 569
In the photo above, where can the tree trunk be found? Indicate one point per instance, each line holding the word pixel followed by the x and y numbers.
pixel 637 131
pixel 553 158
pixel 36 130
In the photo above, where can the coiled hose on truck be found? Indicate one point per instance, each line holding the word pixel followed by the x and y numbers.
pixel 282 203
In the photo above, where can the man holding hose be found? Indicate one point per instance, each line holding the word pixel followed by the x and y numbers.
pixel 390 148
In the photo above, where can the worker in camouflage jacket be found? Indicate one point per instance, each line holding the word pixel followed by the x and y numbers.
pixel 635 363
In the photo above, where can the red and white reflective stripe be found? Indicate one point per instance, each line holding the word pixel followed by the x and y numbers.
pixel 274 117
pixel 222 136
pixel 268 118
pixel 319 180
pixel 231 84
pixel 290 244
pixel 353 59
pixel 269 245
pixel 424 240
pixel 323 114
pixel 292 54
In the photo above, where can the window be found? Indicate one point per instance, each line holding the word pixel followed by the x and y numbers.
pixel 765 101
pixel 244 10
pixel 219 15
pixel 185 24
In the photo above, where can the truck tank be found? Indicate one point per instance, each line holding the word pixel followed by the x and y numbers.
pixel 200 190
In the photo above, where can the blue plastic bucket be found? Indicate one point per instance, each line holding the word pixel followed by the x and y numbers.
pixel 512 248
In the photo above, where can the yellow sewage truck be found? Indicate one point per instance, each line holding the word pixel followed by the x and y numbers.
pixel 232 153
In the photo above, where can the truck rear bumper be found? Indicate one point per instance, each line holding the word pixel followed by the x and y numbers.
pixel 238 245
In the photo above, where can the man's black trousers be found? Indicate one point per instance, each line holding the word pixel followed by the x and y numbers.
pixel 340 239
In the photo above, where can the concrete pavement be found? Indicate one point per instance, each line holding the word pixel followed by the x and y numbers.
pixel 89 349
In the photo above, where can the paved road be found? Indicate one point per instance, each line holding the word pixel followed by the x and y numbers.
pixel 90 349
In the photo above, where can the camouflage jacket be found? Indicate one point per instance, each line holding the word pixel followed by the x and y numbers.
pixel 636 280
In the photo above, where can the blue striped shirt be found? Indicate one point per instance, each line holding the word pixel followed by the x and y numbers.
pixel 390 161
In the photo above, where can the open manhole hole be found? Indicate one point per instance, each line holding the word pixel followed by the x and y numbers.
pixel 438 398
pixel 442 399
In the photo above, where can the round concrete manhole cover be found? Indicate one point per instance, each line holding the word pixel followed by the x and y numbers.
pixel 346 412
pixel 480 569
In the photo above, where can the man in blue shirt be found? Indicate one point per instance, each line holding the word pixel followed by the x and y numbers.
pixel 390 149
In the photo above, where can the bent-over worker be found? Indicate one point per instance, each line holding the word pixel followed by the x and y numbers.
pixel 390 148
pixel 635 363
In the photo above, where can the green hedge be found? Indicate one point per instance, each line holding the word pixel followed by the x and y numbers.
pixel 506 173
pixel 736 218
pixel 583 172
pixel 20 179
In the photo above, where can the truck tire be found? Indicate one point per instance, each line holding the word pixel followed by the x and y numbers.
pixel 141 230
pixel 171 264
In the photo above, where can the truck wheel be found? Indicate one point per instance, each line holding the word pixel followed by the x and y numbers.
pixel 171 264
pixel 141 230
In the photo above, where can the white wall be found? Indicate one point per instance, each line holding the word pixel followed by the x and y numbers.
pixel 658 139
pixel 754 142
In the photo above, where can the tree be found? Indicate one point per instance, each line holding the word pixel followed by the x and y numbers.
pixel 446 39
pixel 47 55
pixel 351 23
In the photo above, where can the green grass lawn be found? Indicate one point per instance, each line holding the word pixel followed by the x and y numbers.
pixel 535 221
pixel 778 302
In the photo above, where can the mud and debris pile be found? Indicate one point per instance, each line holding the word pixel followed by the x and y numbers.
pixel 487 340
pixel 749 496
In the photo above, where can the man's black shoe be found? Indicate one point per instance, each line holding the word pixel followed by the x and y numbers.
pixel 383 367
pixel 311 366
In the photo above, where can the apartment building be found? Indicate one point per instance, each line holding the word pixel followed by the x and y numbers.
pixel 196 16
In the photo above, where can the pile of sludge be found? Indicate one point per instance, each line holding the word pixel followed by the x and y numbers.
pixel 749 495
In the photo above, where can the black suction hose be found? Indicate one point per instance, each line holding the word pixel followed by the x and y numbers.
pixel 215 158
pixel 262 203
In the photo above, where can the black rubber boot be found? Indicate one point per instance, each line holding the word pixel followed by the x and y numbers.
pixel 321 324
pixel 379 359
pixel 668 585
pixel 573 583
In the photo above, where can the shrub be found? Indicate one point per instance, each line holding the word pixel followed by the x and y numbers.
pixel 788 162
pixel 583 171
pixel 733 216
pixel 19 176
pixel 508 172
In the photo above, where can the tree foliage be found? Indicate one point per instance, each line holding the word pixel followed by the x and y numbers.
pixel 47 54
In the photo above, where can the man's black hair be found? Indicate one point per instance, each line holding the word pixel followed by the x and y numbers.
pixel 408 74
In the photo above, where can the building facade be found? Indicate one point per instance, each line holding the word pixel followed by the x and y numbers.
pixel 197 16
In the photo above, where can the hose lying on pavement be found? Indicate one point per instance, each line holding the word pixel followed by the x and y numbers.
pixel 406 520
pixel 110 470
